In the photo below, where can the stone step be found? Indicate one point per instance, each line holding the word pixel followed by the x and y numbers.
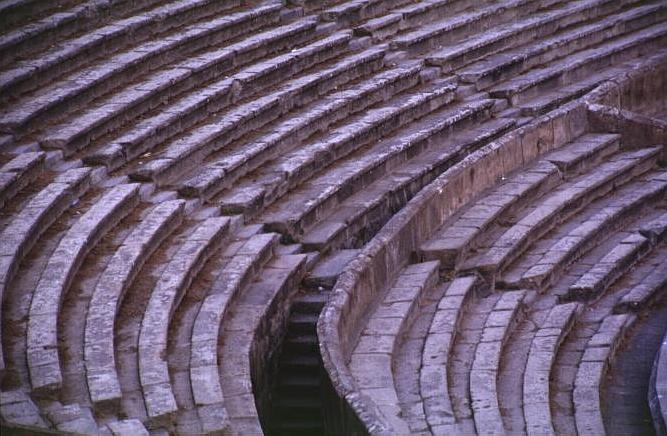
pixel 550 100
pixel 507 312
pixel 598 355
pixel 42 340
pixel 608 269
pixel 126 263
pixel 656 230
pixel 366 211
pixel 18 173
pixel 14 13
pixel 557 206
pixel 502 66
pixel 310 302
pixel 324 192
pixel 300 344
pixel 194 108
pixel 541 358
pixel 455 240
pixel 529 29
pixel 254 323
pixel 164 299
pixel 465 24
pixel 32 25
pixel 437 354
pixel 658 390
pixel 298 428
pixel 640 296
pixel 427 11
pixel 75 52
pixel 301 362
pixel 371 361
pixel 287 134
pixel 18 409
pixel 380 28
pixel 237 275
pixel 42 210
pixel 350 12
pixel 580 65
pixel 546 269
pixel 73 419
pixel 303 323
pixel 291 169
pixel 127 427
pixel 124 103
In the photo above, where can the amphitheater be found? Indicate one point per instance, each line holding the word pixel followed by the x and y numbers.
pixel 326 217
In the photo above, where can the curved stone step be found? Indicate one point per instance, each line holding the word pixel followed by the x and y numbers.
pixel 222 173
pixel 502 66
pixel 324 192
pixel 648 289
pixel 57 20
pixel 249 335
pixel 72 418
pixel 246 119
pixel 291 169
pixel 599 354
pixel 486 366
pixel 18 173
pixel 368 209
pixel 152 90
pixel 434 373
pixel 380 28
pixel 350 12
pixel 629 201
pixel 164 298
pixel 122 269
pixel 612 266
pixel 580 66
pixel 37 215
pixel 42 340
pixel 371 363
pixel 465 24
pixel 14 13
pixel 452 244
pixel 427 11
pixel 127 427
pixel 191 109
pixel 541 358
pixel 227 288
pixel 16 408
pixel 556 207
pixel 73 53
pixel 534 27
pixel 658 391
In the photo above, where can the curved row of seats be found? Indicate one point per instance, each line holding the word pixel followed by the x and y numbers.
pixel 436 359
pixel 77 50
pixel 372 359
pixel 77 131
pixel 113 282
pixel 538 374
pixel 584 222
pixel 285 114
pixel 105 393
pixel 594 364
pixel 236 274
pixel 255 114
pixel 21 234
